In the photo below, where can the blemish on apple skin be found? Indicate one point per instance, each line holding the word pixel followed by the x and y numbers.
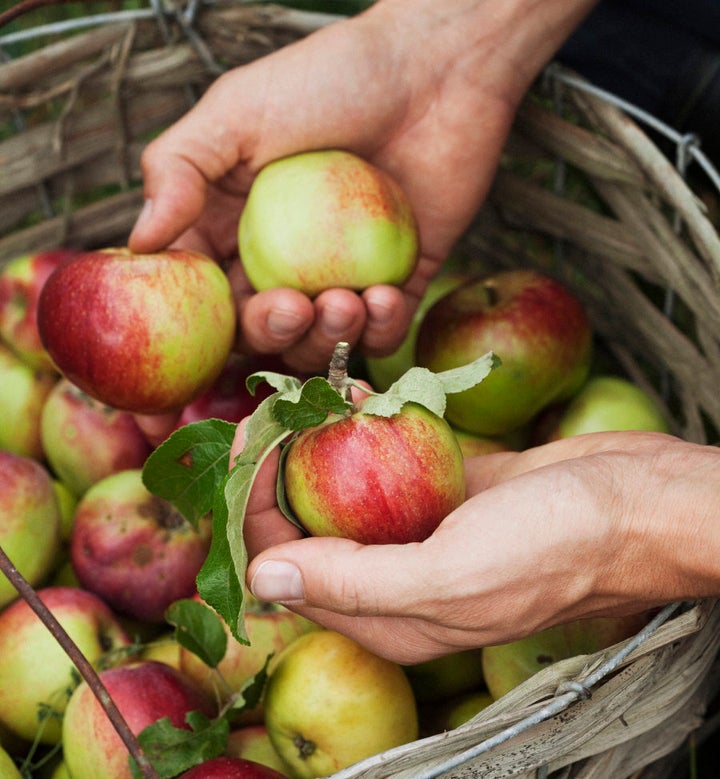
pixel 142 555
pixel 305 748
pixel 545 659
pixel 162 513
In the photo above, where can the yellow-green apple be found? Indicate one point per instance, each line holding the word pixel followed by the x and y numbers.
pixel 473 445
pixel 29 521
pixel 144 692
pixel 253 743
pixel 467 707
pixel 35 671
pixel 84 440
pixel 326 218
pixel 537 328
pixel 165 649
pixel 609 403
pixel 21 281
pixel 229 398
pixel 505 666
pixel 8 767
pixel 146 333
pixel 60 771
pixel 384 371
pixel 374 479
pixel 134 549
pixel 330 702
pixel 23 391
pixel 270 628
pixel 67 503
pixel 446 676
pixel 224 767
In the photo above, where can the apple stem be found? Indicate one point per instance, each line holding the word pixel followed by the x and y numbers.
pixel 337 372
pixel 85 668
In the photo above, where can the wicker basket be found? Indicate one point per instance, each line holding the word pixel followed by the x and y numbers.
pixel 583 193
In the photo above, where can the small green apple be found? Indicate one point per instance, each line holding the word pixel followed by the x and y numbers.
pixel 467 707
pixel 384 371
pixel 472 445
pixel 323 219
pixel 505 666
pixel 8 769
pixel 330 702
pixel 252 742
pixel 446 676
pixel 610 403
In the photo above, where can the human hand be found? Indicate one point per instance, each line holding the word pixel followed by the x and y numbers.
pixel 602 524
pixel 425 91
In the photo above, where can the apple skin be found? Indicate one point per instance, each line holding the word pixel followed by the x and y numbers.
pixel 330 702
pixel 323 219
pixel 141 333
pixel 29 521
pixel 446 676
pixel 467 707
pixel 385 371
pixel 375 480
pixel 85 440
pixel 252 742
pixel 472 445
pixel 34 668
pixel 133 549
pixel 608 403
pixel 21 281
pixel 8 769
pixel 224 767
pixel 144 692
pixel 537 328
pixel 505 666
pixel 23 391
pixel 270 628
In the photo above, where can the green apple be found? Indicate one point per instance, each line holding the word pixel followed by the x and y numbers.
pixel 29 521
pixel 467 707
pixel 505 666
pixel 35 671
pixel 23 391
pixel 330 702
pixel 446 676
pixel 323 219
pixel 67 503
pixel 610 403
pixel 373 479
pixel 537 328
pixel 164 648
pixel 384 371
pixel 252 742
pixel 146 333
pixel 472 445
pixel 8 768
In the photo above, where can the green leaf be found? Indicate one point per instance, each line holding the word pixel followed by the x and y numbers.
pixel 173 750
pixel 188 467
pixel 278 381
pixel 422 386
pixel 249 695
pixel 309 404
pixel 218 582
pixel 199 629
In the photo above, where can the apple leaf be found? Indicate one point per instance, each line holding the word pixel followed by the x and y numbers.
pixel 250 693
pixel 278 381
pixel 173 750
pixel 187 468
pixel 199 629
pixel 309 404
pixel 422 386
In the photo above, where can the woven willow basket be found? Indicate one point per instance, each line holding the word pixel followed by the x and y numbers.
pixel 582 193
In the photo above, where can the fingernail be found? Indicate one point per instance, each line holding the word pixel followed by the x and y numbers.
pixel 336 321
pixel 277 581
pixel 283 323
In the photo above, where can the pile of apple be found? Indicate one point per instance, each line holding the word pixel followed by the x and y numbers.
pixel 117 565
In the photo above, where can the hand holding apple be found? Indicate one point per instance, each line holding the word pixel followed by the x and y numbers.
pixel 141 333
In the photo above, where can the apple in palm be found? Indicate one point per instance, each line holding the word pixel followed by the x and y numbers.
pixel 21 281
pixel 144 692
pixel 134 549
pixel 373 479
pixel 29 521
pixel 23 392
pixel 35 671
pixel 224 767
pixel 323 219
pixel 146 333
pixel 537 328
pixel 330 702
pixel 85 440
pixel 609 403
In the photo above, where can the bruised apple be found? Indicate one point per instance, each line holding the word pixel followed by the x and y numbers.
pixel 537 328
pixel 145 333
pixel 323 219
pixel 375 479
